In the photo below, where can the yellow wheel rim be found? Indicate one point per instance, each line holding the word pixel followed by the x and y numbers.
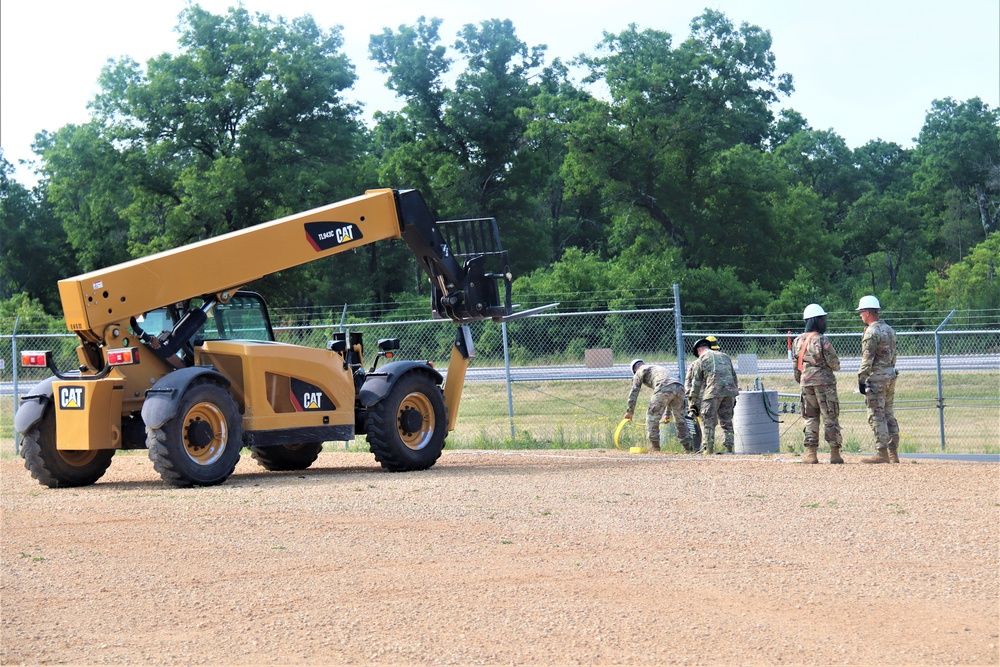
pixel 77 459
pixel 206 433
pixel 415 421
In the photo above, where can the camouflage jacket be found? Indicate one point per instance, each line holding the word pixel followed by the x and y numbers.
pixel 711 376
pixel 654 377
pixel 819 360
pixel 878 353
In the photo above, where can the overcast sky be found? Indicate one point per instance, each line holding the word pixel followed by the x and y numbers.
pixel 866 69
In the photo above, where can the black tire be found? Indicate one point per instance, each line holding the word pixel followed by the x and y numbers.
pixel 200 445
pixel 57 468
pixel 407 429
pixel 287 457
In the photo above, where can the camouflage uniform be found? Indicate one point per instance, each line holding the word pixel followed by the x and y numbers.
pixel 668 396
pixel 818 387
pixel 712 390
pixel 878 373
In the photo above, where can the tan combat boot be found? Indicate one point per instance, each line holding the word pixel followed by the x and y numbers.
pixel 893 455
pixel 835 455
pixel 894 448
pixel 809 455
pixel 881 456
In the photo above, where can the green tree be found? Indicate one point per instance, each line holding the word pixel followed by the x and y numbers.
pixel 883 167
pixel 973 283
pixel 34 253
pixel 29 314
pixel 675 144
pixel 789 122
pixel 821 160
pixel 245 124
pixel 957 176
pixel 464 147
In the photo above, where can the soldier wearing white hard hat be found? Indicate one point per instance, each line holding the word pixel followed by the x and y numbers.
pixel 877 380
pixel 815 362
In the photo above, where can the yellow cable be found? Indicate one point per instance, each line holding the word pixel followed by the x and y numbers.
pixel 618 431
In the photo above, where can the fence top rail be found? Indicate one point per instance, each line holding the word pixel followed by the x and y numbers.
pixel 447 321
pixel 763 334
pixel 686 334
pixel 607 312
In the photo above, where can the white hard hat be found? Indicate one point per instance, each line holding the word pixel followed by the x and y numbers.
pixel 868 302
pixel 635 362
pixel 813 310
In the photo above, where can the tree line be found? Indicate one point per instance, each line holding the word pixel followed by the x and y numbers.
pixel 648 162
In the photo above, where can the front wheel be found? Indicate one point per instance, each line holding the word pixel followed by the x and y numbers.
pixel 60 468
pixel 407 429
pixel 200 445
pixel 287 457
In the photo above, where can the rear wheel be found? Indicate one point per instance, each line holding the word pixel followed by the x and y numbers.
pixel 59 468
pixel 407 429
pixel 201 444
pixel 287 457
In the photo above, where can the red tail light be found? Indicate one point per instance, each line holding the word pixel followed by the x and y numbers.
pixel 124 356
pixel 36 359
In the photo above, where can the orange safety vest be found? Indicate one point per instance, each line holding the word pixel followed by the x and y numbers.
pixel 805 343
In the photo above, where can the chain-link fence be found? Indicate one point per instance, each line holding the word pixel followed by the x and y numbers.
pixel 561 379
pixel 947 393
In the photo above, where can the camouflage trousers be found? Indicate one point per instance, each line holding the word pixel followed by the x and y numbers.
pixel 668 399
pixel 716 411
pixel 880 414
pixel 821 400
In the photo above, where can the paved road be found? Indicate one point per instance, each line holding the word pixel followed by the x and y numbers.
pixel 979 362
pixel 764 367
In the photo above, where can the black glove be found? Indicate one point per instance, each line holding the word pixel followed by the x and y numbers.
pixel 862 386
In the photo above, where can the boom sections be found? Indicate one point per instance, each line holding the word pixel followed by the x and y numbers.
pixel 94 300
pixel 463 259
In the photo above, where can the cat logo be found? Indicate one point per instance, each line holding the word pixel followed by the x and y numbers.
pixel 312 400
pixel 326 235
pixel 71 398
pixel 307 396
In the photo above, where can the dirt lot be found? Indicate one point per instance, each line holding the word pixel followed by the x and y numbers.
pixel 512 558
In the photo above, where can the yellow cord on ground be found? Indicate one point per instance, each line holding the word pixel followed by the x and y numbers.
pixel 618 431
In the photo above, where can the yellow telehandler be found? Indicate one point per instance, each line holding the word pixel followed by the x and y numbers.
pixel 176 358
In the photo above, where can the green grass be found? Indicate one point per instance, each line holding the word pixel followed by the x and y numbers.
pixel 584 415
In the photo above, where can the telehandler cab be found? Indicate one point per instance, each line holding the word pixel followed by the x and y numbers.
pixel 176 358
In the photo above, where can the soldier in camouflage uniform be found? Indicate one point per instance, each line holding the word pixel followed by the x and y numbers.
pixel 815 361
pixel 712 392
pixel 877 381
pixel 667 398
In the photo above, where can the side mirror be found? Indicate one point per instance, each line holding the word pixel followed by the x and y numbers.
pixel 386 344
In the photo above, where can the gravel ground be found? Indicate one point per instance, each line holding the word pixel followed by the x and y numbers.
pixel 508 558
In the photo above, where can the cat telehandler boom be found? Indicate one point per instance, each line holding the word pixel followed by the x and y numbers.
pixel 176 358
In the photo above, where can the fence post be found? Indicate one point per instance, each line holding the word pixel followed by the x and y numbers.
pixel 679 330
pixel 343 316
pixel 506 366
pixel 13 375
pixel 937 354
